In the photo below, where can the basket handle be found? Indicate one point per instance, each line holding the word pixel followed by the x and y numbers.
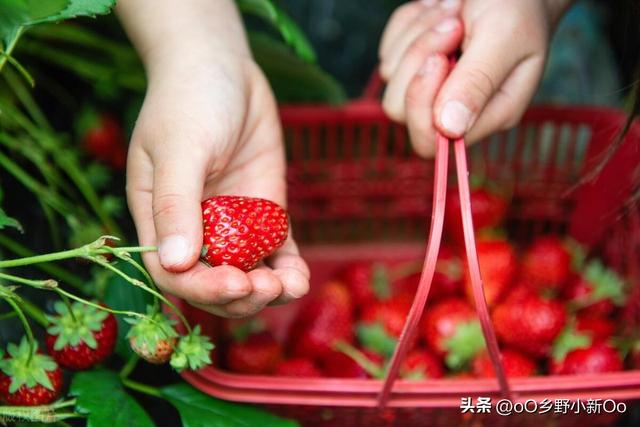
pixel 431 257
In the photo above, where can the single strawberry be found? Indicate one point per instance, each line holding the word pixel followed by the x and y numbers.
pixel 390 313
pixel 298 367
pixel 498 267
pixel 421 364
pixel 102 137
pixel 451 329
pixel 28 378
pixel 599 328
pixel 546 264
pixel 81 337
pixel 449 275
pixel 597 291
pixel 153 338
pixel 515 364
pixel 326 318
pixel 529 324
pixel 241 231
pixel 488 210
pixel 347 361
pixel 257 354
pixel 367 282
pixel 595 358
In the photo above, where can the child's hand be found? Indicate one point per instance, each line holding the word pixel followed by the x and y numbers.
pixel 504 46
pixel 208 126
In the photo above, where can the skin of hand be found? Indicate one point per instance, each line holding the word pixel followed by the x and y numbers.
pixel 504 46
pixel 208 126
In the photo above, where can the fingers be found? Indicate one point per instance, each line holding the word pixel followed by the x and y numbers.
pixel 428 43
pixel 177 190
pixel 421 93
pixel 292 271
pixel 483 68
pixel 432 22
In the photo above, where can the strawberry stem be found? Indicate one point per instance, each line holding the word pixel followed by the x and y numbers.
pixel 25 325
pixel 360 358
pixel 67 303
pixel 129 366
pixel 142 388
pixel 81 252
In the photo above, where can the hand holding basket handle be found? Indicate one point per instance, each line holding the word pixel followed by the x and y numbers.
pixel 431 257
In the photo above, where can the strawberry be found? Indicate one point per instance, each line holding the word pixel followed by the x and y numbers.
pixel 488 210
pixel 28 378
pixel 102 137
pixel 153 338
pixel 381 324
pixel 257 354
pixel 595 358
pixel 241 231
pixel 367 282
pixel 347 361
pixel 452 330
pixel 421 364
pixel 529 323
pixel 546 264
pixel 498 266
pixel 515 364
pixel 326 318
pixel 297 367
pixel 81 337
pixel 449 275
pixel 599 328
pixel 597 291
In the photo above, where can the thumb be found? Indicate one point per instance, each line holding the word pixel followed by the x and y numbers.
pixel 483 67
pixel 177 190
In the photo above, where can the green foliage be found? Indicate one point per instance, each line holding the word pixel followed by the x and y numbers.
pixel 293 79
pixel 277 18
pixel 199 410
pixel 100 395
pixel 375 338
pixel 464 345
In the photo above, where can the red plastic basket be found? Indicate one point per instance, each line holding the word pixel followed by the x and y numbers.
pixel 357 191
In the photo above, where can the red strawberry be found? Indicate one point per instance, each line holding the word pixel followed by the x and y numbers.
pixel 546 263
pixel 597 291
pixel 82 338
pixel 529 324
pixel 258 354
pixel 382 323
pixel 498 266
pixel 241 231
pixel 421 364
pixel 102 137
pixel 596 358
pixel 366 281
pixel 452 330
pixel 349 362
pixel 515 364
pixel 600 329
pixel 153 338
pixel 488 210
pixel 298 367
pixel 326 318
pixel 447 280
pixel 28 378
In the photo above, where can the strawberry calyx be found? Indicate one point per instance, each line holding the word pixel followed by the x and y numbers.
pixel 25 366
pixel 75 324
pixel 380 282
pixel 578 253
pixel 569 340
pixel 193 351
pixel 374 337
pixel 606 284
pixel 245 329
pixel 149 331
pixel 464 344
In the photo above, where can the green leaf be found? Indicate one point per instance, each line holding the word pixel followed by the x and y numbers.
pixel 464 344
pixel 291 78
pixel 7 221
pixel 276 17
pixel 569 340
pixel 374 337
pixel 199 410
pixel 121 295
pixel 100 395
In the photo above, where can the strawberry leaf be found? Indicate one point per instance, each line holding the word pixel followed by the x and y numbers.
pixel 607 284
pixel 569 340
pixel 197 409
pixel 464 345
pixel 374 337
pixel 7 221
pixel 100 395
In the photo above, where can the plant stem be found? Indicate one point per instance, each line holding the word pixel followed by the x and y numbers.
pixel 142 388
pixel 82 251
pixel 10 47
pixel 57 272
pixel 129 366
pixel 25 325
pixel 47 283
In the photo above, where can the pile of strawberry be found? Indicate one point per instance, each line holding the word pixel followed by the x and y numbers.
pixel 554 312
